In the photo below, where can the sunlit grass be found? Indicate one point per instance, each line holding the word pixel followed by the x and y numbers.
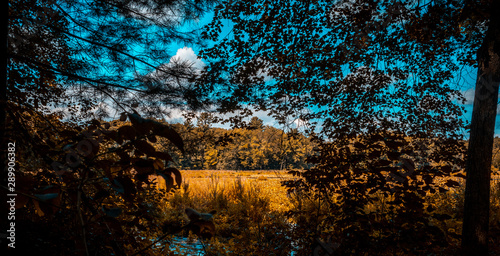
pixel 251 207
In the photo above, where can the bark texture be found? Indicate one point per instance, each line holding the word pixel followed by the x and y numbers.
pixel 479 155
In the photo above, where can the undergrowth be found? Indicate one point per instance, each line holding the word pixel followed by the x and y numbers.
pixel 256 216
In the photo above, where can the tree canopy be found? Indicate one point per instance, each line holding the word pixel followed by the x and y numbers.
pixel 364 66
pixel 378 77
pixel 374 82
pixel 83 181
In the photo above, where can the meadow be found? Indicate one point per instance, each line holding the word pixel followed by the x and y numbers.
pixel 251 206
pixel 253 215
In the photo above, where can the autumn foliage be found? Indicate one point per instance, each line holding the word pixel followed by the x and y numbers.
pixel 378 168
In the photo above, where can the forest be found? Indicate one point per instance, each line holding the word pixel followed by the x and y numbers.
pixel 255 147
pixel 262 127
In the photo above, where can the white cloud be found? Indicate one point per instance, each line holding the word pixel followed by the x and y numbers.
pixel 187 54
pixel 469 96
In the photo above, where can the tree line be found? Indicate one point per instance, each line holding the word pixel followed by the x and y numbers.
pixel 254 147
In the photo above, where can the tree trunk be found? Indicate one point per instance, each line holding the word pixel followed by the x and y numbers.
pixel 479 155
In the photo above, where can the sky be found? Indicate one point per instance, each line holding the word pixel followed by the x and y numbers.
pixel 464 81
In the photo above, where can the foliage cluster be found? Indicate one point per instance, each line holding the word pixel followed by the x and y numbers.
pixel 254 147
pixel 98 186
pixel 396 171
pixel 82 184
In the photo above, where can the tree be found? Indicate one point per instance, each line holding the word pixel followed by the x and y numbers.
pixel 377 77
pixel 69 62
pixel 116 51
pixel 256 123
pixel 479 156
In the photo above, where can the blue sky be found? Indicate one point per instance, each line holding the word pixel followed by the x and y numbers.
pixel 464 80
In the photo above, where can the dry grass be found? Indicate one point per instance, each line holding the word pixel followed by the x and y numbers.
pixel 251 206
pixel 209 186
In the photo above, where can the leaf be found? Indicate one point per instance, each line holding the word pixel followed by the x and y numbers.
pixel 430 208
pixel 124 157
pixel 408 165
pixel 68 133
pixel 123 117
pixel 167 176
pixel 383 162
pixel 169 182
pixel 442 190
pixel 452 183
pixel 393 155
pixel 176 173
pixel 145 147
pixel 375 154
pixel 135 118
pixel 163 155
pixel 118 187
pixel 126 186
pixel 441 217
pixel 170 134
pixel 107 125
pixel 94 123
pixel 115 226
pixel 144 166
pixel 88 148
pixel 38 209
pixel 359 145
pixel 21 201
pixel 101 194
pixel 158 165
pixel 446 169
pixel 393 144
pixel 114 135
pixel 127 132
pixel 152 138
pixel 49 201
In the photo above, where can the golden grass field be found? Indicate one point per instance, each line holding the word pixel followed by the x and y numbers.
pixel 206 184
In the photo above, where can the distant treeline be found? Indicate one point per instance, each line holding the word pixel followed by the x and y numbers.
pixel 255 147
